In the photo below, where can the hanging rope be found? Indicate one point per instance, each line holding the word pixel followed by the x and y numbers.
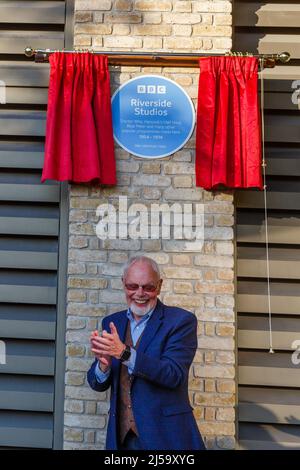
pixel 271 350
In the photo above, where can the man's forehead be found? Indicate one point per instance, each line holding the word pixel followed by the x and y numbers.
pixel 141 266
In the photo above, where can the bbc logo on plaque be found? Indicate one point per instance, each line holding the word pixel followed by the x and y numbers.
pixel 152 89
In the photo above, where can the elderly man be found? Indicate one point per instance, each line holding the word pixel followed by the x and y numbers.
pixel 144 355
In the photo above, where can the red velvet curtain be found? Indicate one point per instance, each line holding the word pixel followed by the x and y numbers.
pixel 79 137
pixel 228 135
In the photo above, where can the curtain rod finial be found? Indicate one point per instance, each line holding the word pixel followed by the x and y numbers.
pixel 284 57
pixel 29 52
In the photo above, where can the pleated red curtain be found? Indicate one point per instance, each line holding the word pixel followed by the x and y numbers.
pixel 228 134
pixel 79 136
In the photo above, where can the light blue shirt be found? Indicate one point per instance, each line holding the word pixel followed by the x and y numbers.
pixel 136 328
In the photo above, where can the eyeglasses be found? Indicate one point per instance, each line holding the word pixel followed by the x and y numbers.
pixel 146 287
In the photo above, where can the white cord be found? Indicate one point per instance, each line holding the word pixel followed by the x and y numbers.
pixel 271 350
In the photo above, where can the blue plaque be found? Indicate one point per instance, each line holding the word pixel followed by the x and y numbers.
pixel 153 117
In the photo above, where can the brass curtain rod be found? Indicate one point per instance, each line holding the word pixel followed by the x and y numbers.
pixel 158 59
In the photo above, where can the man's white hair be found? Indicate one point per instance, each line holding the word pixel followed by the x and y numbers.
pixel 136 259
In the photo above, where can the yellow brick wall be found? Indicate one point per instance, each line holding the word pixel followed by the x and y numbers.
pixel 203 281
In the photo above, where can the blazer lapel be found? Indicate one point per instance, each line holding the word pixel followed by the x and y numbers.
pixel 120 324
pixel 152 326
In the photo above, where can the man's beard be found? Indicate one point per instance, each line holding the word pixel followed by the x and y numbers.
pixel 140 311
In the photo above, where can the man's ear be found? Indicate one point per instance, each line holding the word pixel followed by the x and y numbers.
pixel 160 284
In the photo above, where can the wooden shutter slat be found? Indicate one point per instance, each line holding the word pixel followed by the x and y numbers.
pixel 24 74
pixel 28 294
pixel 18 95
pixel 26 393
pixel 14 42
pixel 257 303
pixel 29 192
pixel 28 260
pixel 43 12
pixel 267 15
pixel 276 200
pixel 23 123
pixel 26 429
pixel 271 376
pixel 253 339
pixel 269 43
pixel 29 226
pixel 271 413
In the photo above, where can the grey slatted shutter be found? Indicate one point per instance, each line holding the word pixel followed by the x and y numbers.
pixel 269 395
pixel 33 217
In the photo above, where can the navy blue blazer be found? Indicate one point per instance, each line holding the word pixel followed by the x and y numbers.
pixel 159 393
